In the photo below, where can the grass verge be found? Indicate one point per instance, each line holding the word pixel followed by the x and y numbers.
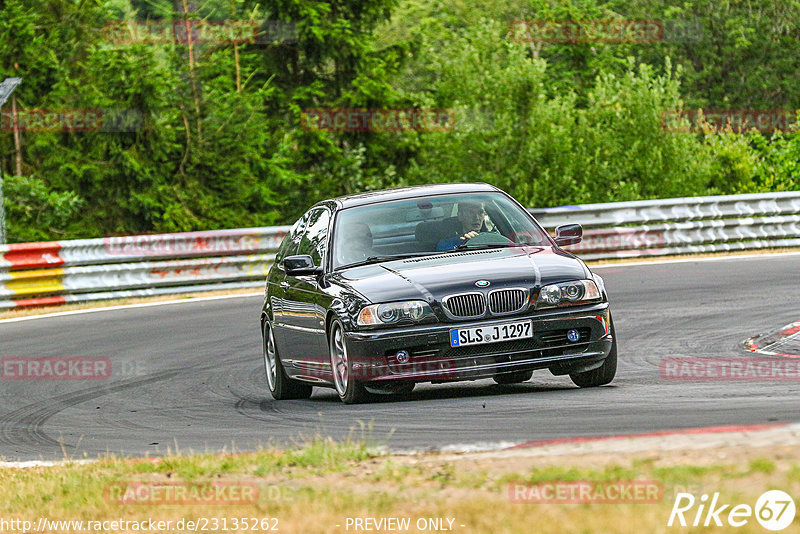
pixel 315 489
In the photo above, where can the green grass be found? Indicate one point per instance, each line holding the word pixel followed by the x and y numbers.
pixel 320 455
pixel 762 465
pixel 570 474
pixel 686 474
pixel 312 487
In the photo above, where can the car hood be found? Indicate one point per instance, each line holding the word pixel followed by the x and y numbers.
pixel 444 274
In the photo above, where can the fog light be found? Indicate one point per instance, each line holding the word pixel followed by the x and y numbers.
pixel 402 356
pixel 573 335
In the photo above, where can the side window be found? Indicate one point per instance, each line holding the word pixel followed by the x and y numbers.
pixel 315 239
pixel 291 241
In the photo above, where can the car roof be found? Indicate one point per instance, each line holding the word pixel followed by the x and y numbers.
pixel 399 193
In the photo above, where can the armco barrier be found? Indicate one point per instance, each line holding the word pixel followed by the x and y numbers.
pixel 681 225
pixel 86 270
pixel 34 274
pixel 137 247
pixel 135 275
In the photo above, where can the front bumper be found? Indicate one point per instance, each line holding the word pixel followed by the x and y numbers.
pixel 373 353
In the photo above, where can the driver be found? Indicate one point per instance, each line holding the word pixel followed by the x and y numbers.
pixel 470 220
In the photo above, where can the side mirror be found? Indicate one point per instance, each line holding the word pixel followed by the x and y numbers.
pixel 568 234
pixel 300 265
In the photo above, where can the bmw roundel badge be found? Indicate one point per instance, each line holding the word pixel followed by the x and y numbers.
pixel 482 283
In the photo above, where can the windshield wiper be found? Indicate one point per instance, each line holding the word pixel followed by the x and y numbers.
pixel 387 257
pixel 477 246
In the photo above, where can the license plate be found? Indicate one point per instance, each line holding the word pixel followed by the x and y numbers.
pixel 460 337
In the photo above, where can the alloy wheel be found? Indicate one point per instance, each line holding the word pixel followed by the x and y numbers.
pixel 339 364
pixel 269 356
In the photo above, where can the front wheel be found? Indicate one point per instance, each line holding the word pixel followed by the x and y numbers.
pixel 603 374
pixel 280 386
pixel 350 390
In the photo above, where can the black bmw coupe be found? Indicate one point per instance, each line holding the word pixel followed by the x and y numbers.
pixel 374 292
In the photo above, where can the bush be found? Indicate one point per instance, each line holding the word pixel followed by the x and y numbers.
pixel 35 212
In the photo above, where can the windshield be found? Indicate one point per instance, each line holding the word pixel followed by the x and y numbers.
pixel 429 225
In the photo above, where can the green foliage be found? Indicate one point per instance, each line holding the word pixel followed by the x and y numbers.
pixel 741 55
pixel 778 167
pixel 552 150
pixel 218 140
pixel 36 212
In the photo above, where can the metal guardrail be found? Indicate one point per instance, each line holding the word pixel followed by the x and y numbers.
pixel 34 274
pixel 681 225
pixel 85 270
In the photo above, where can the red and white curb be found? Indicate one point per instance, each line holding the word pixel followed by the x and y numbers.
pixel 784 341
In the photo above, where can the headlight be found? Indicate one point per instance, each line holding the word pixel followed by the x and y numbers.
pixel 393 312
pixel 568 293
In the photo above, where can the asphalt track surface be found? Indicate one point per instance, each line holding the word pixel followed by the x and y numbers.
pixel 191 376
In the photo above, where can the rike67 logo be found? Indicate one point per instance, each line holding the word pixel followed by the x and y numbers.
pixel 774 510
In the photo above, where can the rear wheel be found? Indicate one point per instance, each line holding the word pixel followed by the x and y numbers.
pixel 603 374
pixel 350 390
pixel 280 386
pixel 516 377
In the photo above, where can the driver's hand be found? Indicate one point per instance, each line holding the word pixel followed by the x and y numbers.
pixel 468 235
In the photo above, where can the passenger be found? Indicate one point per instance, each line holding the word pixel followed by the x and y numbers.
pixel 357 243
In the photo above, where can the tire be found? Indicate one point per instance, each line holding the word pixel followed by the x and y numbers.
pixel 515 377
pixel 603 374
pixel 280 386
pixel 350 391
